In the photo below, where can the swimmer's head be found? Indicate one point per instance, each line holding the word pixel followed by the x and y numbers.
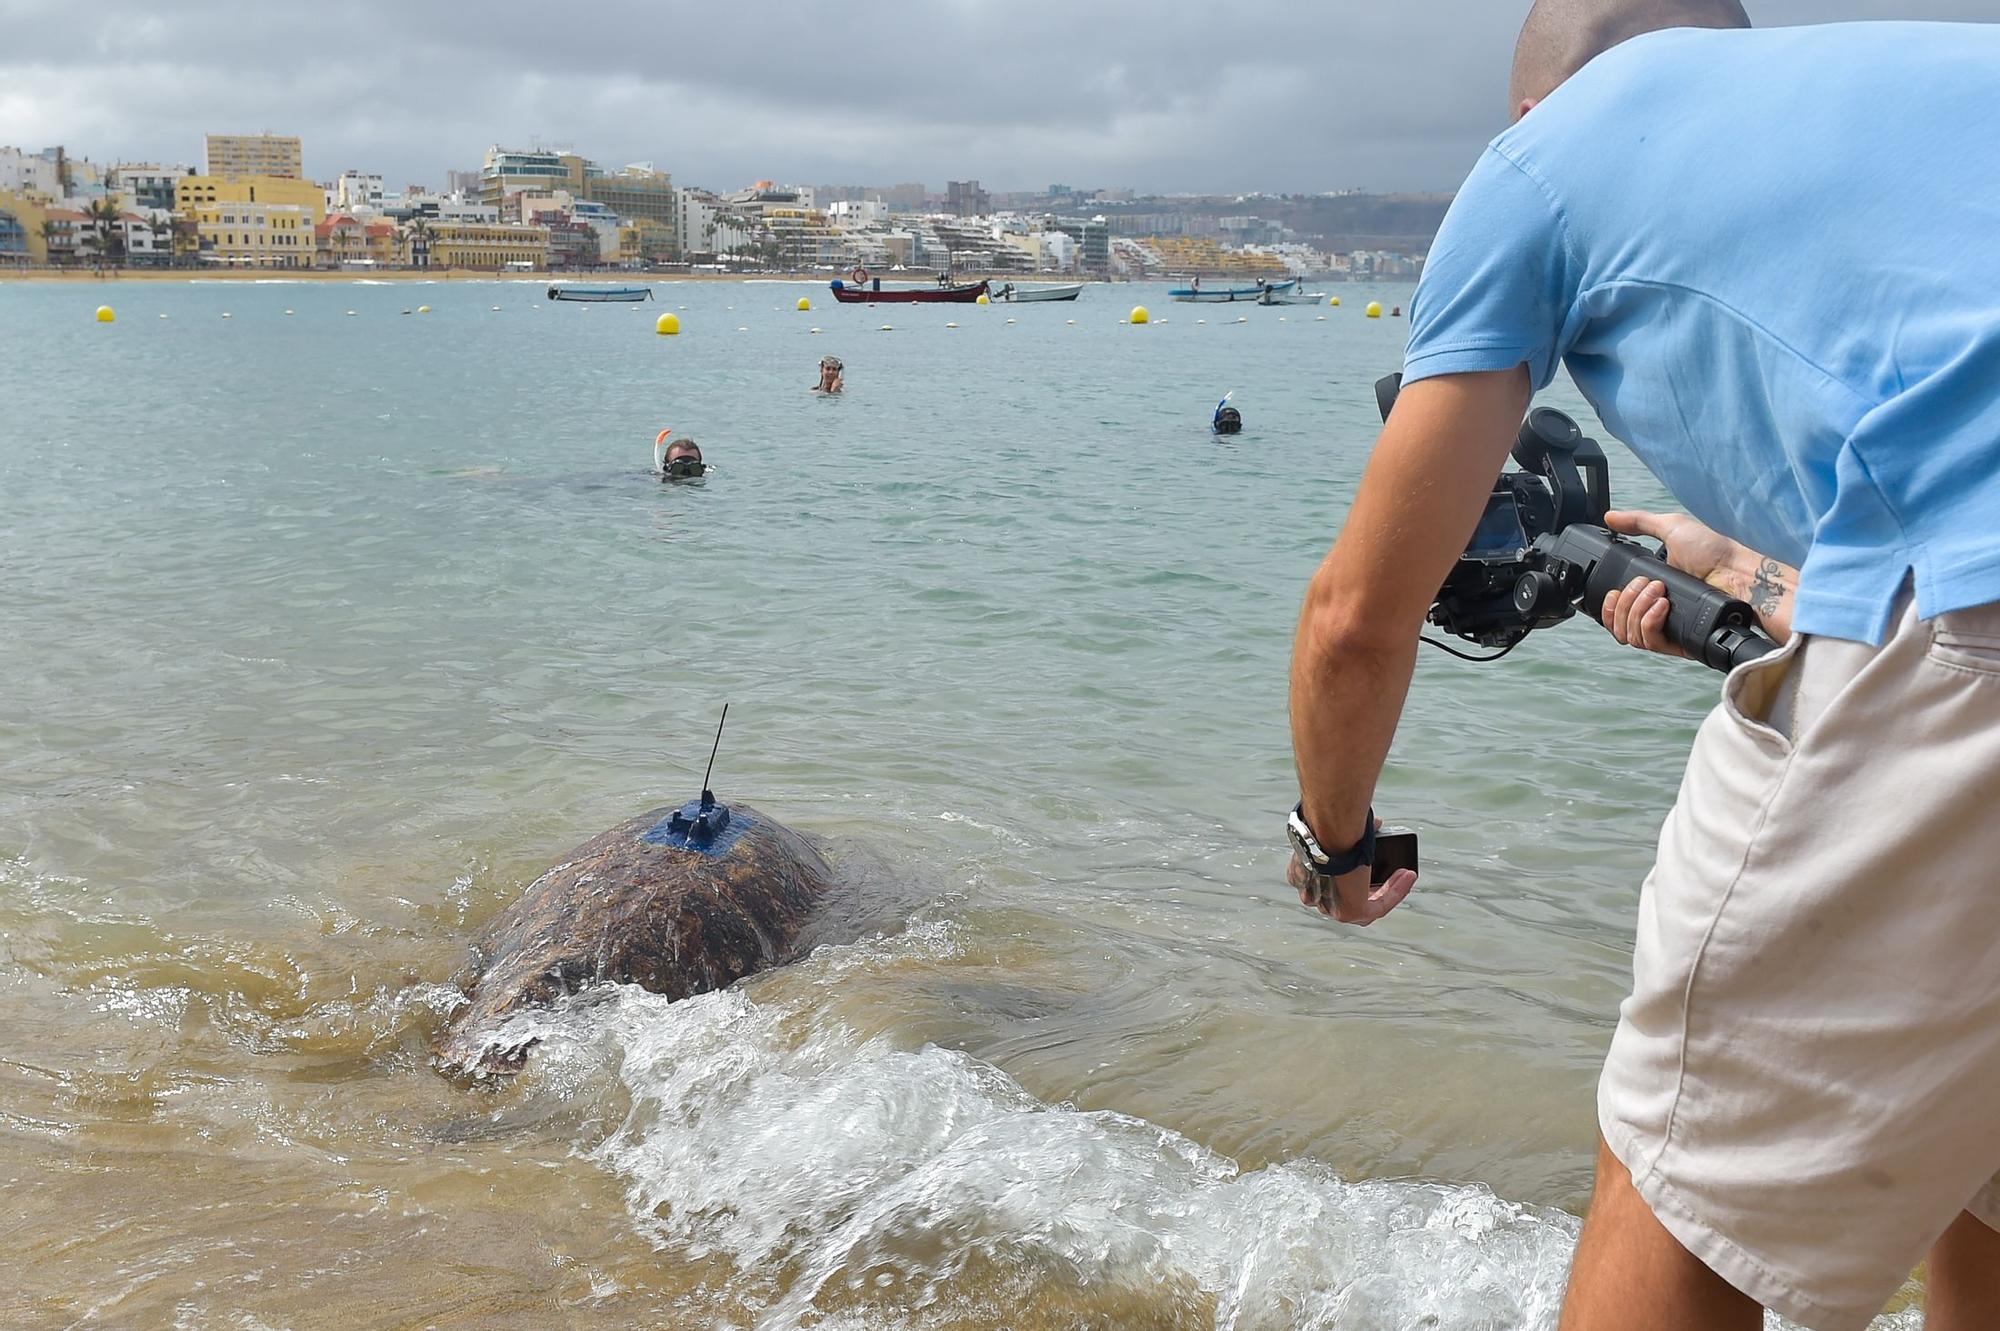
pixel 1228 420
pixel 683 461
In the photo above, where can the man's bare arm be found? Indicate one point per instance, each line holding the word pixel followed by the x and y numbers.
pixel 1419 499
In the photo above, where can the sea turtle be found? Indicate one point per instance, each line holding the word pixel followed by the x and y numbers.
pixel 678 901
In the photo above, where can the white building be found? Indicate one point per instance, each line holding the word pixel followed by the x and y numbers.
pixel 357 189
pixel 853 215
pixel 698 211
pixel 29 173
pixel 146 186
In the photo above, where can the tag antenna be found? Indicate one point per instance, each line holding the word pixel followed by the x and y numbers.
pixel 706 797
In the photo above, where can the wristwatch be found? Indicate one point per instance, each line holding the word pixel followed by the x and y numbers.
pixel 1316 859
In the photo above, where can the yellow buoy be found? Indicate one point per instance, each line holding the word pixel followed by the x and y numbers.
pixel 805 304
pixel 1140 316
pixel 980 299
pixel 1374 310
pixel 104 314
pixel 423 309
pixel 1334 301
pixel 667 325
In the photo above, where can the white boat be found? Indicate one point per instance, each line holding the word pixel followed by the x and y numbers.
pixel 1230 295
pixel 1009 292
pixel 1291 296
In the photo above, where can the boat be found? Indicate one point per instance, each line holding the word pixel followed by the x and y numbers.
pixel 1020 295
pixel 1230 295
pixel 1294 296
pixel 599 295
pixel 872 293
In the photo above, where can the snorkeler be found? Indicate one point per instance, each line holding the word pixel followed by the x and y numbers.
pixel 678 461
pixel 829 375
pixel 1228 420
pixel 683 462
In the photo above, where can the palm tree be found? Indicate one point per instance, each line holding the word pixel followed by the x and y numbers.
pixel 162 227
pixel 50 230
pixel 103 216
pixel 420 233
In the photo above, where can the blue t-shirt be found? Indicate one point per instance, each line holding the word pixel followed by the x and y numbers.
pixel 1771 261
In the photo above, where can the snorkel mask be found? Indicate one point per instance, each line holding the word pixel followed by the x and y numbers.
pixel 684 467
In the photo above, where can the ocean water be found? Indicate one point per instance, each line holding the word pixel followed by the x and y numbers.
pixel 326 631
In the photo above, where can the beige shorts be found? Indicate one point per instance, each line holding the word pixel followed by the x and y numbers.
pixel 1805 1082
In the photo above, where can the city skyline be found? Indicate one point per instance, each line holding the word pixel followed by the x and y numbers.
pixel 1303 99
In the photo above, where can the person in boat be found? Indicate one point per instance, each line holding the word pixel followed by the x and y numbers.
pixel 1195 284
pixel 683 461
pixel 829 375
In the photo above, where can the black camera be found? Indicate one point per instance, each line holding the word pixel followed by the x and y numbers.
pixel 1541 551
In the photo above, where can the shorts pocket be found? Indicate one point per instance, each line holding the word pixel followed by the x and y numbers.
pixel 1967 640
pixel 1752 690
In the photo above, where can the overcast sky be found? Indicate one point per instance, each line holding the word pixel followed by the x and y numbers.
pixel 1309 95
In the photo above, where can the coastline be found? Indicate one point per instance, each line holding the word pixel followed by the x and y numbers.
pixel 420 275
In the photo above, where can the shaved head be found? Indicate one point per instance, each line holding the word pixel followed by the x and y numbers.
pixel 1562 36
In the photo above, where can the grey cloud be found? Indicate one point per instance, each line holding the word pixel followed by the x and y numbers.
pixel 1302 95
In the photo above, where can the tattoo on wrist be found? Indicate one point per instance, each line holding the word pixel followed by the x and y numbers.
pixel 1767 587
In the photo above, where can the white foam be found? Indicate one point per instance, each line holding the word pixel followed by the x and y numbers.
pixel 823 1161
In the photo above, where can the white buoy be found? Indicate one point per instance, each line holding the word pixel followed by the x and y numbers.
pixel 1201 321
pixel 888 328
pixel 1070 322
pixel 1319 318
pixel 163 316
pixel 496 309
pixel 947 325
pixel 1010 321
pixel 350 314
pixel 744 328
pixel 287 311
pixel 815 330
pixel 226 314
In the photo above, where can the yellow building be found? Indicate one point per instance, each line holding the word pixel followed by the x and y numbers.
pixel 231 155
pixel 491 245
pixel 192 192
pixel 21 239
pixel 1191 254
pixel 253 235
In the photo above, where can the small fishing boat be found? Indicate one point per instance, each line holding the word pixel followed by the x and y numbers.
pixel 600 295
pixel 1020 295
pixel 1294 296
pixel 872 293
pixel 1229 295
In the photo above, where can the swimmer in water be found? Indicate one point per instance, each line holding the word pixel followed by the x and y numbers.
pixel 1228 420
pixel 829 375
pixel 683 461
pixel 678 461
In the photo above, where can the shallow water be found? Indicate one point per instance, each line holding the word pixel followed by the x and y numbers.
pixel 324 634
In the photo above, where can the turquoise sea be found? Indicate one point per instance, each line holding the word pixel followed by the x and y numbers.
pixel 329 624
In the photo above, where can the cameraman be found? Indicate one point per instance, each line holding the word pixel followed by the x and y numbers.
pixel 1768 260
